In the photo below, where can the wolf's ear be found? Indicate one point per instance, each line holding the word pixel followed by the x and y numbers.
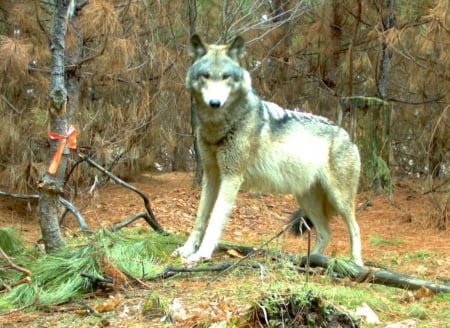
pixel 197 48
pixel 236 48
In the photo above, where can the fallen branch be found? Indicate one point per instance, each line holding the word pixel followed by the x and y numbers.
pixel 381 277
pixel 13 266
pixel 131 219
pixel 171 271
pixel 151 217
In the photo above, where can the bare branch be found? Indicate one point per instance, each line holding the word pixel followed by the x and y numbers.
pixel 76 213
pixel 152 220
pixel 14 266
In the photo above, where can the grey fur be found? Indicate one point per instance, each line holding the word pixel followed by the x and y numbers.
pixel 245 142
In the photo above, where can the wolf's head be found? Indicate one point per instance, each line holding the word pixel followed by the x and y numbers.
pixel 216 79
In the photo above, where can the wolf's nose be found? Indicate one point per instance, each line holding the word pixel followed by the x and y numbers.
pixel 215 103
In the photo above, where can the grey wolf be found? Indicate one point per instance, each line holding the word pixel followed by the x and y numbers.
pixel 245 142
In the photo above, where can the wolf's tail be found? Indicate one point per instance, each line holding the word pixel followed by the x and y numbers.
pixel 298 221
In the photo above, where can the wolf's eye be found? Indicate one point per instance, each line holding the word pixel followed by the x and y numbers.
pixel 205 75
pixel 226 76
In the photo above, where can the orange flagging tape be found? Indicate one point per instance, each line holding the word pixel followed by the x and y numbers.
pixel 70 137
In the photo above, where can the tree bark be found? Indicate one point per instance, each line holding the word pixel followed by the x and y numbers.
pixel 387 15
pixel 52 183
pixel 386 9
pixel 192 13
pixel 381 277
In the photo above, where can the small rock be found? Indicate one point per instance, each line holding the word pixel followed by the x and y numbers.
pixel 364 311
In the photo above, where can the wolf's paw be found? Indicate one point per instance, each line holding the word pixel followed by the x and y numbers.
pixel 184 251
pixel 195 258
pixel 357 261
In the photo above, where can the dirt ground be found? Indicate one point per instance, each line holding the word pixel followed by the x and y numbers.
pixel 392 226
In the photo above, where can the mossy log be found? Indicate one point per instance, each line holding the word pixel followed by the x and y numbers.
pixel 382 277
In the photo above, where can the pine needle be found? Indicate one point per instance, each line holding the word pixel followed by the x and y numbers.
pixel 10 241
pixel 56 278
pixel 341 267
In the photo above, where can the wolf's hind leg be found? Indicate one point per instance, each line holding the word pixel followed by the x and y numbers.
pixel 342 200
pixel 348 214
pixel 312 203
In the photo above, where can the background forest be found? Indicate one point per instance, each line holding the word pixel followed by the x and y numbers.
pixel 380 68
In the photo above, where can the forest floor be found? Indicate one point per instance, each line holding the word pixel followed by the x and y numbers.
pixel 397 232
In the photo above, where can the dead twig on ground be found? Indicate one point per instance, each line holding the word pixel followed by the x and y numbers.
pixel 13 266
pixel 131 219
pixel 172 271
pixel 151 217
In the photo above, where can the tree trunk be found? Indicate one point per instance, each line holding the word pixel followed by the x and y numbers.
pixel 52 183
pixel 386 11
pixel 331 63
pixel 192 13
pixel 388 17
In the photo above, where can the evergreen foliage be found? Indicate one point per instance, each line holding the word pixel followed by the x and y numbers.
pixel 56 278
pixel 133 112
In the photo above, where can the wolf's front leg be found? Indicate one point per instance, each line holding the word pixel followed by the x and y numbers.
pixel 229 187
pixel 208 196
